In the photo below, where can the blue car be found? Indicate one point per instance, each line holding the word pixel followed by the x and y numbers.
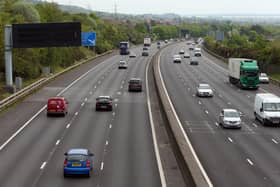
pixel 78 161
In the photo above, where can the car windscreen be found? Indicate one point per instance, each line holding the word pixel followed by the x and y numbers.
pixel 271 107
pixel 231 114
pixel 204 87
pixel 135 81
pixel 76 158
pixel 55 102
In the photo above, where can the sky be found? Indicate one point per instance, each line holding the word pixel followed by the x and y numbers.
pixel 182 7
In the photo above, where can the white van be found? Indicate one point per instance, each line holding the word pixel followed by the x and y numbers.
pixel 267 108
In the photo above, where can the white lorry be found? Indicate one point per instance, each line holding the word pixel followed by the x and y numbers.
pixel 147 42
pixel 267 108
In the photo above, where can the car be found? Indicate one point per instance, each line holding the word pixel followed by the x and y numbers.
pixel 204 90
pixel 181 52
pixel 197 54
pixel 145 49
pixel 263 78
pixel 78 161
pixel 135 84
pixel 132 55
pixel 145 53
pixel 123 64
pixel 177 59
pixel 230 118
pixel 158 43
pixel 158 46
pixel 104 103
pixel 189 43
pixel 194 61
pixel 191 48
pixel 186 55
pixel 57 106
pixel 166 41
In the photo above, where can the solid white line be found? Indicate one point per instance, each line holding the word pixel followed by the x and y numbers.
pixel 183 131
pixel 102 165
pixel 21 128
pixel 44 107
pixel 69 124
pixel 156 148
pixel 43 165
pixel 230 139
pixel 275 141
pixel 250 162
pixel 57 142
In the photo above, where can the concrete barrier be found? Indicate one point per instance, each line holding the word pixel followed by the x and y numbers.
pixel 41 82
pixel 198 174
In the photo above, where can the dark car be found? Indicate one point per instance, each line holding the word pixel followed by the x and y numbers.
pixel 145 53
pixel 104 103
pixel 57 105
pixel 78 162
pixel 145 49
pixel 135 84
pixel 194 61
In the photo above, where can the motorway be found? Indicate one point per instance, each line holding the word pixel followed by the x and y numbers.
pixel 246 157
pixel 121 140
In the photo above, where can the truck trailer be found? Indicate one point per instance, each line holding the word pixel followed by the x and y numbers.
pixel 243 72
pixel 124 48
pixel 147 42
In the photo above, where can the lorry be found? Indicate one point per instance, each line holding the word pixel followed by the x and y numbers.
pixel 267 108
pixel 124 48
pixel 147 42
pixel 243 72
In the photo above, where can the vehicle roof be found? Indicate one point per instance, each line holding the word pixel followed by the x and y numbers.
pixel 229 110
pixel 54 98
pixel 104 96
pixel 203 84
pixel 122 61
pixel 135 79
pixel 77 151
pixel 268 97
pixel 263 74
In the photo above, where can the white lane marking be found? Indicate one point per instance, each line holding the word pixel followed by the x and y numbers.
pixel 119 93
pixel 230 139
pixel 248 96
pixel 113 113
pixel 193 95
pixel 107 143
pixel 90 93
pixel 156 147
pixel 275 141
pixel 110 126
pixel 86 99
pixel 76 113
pixel 44 107
pixel 21 128
pixel 95 87
pixel 116 105
pixel 199 102
pixel 57 142
pixel 205 176
pixel 102 165
pixel 43 165
pixel 82 104
pixel 255 125
pixel 250 162
pixel 206 111
pixel 217 124
pixel 68 125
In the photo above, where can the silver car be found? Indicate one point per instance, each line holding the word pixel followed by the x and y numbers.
pixel 204 90
pixel 263 78
pixel 177 59
pixel 123 64
pixel 230 118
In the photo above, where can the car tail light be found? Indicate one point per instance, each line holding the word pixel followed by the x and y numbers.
pixel 88 164
pixel 65 163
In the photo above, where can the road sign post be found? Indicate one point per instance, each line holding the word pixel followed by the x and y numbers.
pixel 8 56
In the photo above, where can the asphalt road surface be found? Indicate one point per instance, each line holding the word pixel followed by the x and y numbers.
pixel 246 157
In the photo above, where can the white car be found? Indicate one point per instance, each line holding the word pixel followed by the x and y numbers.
pixel 177 59
pixel 123 64
pixel 204 90
pixel 230 118
pixel 186 55
pixel 263 78
pixel 132 55
pixel 181 52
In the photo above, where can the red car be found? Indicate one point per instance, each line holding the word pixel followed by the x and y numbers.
pixel 104 103
pixel 135 84
pixel 57 105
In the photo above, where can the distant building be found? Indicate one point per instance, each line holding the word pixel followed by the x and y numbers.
pixel 217 35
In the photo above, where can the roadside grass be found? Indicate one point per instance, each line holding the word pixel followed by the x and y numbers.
pixel 276 76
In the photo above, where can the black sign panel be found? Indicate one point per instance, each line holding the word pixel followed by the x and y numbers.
pixel 46 35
